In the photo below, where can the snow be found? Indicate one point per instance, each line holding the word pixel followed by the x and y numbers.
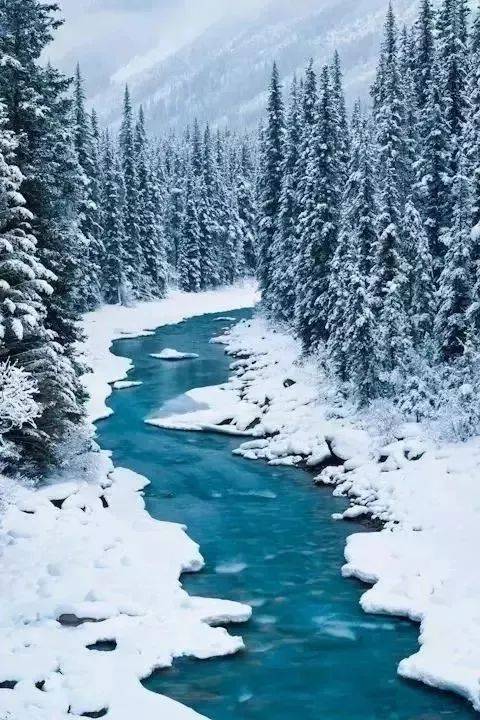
pixel 82 561
pixel 423 564
pixel 125 384
pixel 173 355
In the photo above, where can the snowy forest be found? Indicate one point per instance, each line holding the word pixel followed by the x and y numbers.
pixel 363 227
pixel 243 347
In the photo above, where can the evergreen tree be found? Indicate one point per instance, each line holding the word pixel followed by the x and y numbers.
pixel 424 53
pixel 352 263
pixel 247 208
pixel 115 286
pixel 422 286
pixel 319 224
pixel 270 186
pixel 189 266
pixel 285 244
pixel 432 185
pixel 135 263
pixel 455 285
pixel 89 208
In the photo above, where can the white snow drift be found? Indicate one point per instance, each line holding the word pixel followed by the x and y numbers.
pixel 423 564
pixel 82 561
pixel 173 355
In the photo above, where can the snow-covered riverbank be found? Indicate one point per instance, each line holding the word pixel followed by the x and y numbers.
pixel 82 562
pixel 423 564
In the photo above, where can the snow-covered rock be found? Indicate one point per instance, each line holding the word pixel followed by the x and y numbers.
pixel 173 355
pixel 125 384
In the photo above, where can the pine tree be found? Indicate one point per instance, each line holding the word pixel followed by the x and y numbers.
pixel 115 287
pixel 432 186
pixel 422 286
pixel 189 268
pixel 89 209
pixel 247 208
pixel 270 186
pixel 424 53
pixel 135 263
pixel 319 224
pixel 341 117
pixel 389 266
pixel 352 262
pixel 455 285
pixel 285 248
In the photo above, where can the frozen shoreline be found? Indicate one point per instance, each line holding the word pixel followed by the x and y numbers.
pixel 82 562
pixel 422 565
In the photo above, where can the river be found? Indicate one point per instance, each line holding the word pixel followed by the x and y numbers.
pixel 269 540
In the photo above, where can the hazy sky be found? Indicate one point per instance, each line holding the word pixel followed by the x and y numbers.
pixel 110 38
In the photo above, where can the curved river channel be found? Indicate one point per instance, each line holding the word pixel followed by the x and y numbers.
pixel 269 540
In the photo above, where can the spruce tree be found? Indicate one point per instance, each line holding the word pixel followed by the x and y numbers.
pixel 189 264
pixel 352 261
pixel 455 285
pixel 115 285
pixel 89 209
pixel 285 249
pixel 270 186
pixel 319 224
pixel 135 264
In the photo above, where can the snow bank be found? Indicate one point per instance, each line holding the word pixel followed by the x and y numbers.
pixel 423 565
pixel 81 562
pixel 174 355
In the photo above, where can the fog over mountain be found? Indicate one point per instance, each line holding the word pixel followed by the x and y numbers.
pixel 186 58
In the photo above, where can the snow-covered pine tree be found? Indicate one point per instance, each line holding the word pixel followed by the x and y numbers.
pixel 471 144
pixel 456 281
pixel 115 284
pixel 153 236
pixel 351 266
pixel 388 284
pixel 409 112
pixel 319 223
pixel 432 185
pixel 340 109
pixel 204 169
pixel 285 247
pixel 389 264
pixel 175 202
pixel 357 350
pixel 247 207
pixel 134 261
pixel 189 264
pixel 89 207
pixel 453 71
pixel 270 185
pixel 422 302
pixel 424 55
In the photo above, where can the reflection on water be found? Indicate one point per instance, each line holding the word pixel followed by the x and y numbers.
pixel 268 539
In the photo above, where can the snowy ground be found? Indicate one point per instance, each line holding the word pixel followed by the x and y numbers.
pixel 81 561
pixel 424 563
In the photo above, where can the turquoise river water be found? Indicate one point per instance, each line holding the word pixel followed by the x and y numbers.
pixel 269 540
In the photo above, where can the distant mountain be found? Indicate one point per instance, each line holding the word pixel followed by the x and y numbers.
pixel 222 76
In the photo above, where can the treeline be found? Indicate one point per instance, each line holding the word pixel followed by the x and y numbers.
pixel 88 217
pixel 370 234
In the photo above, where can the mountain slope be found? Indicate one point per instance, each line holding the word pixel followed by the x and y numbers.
pixel 222 76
